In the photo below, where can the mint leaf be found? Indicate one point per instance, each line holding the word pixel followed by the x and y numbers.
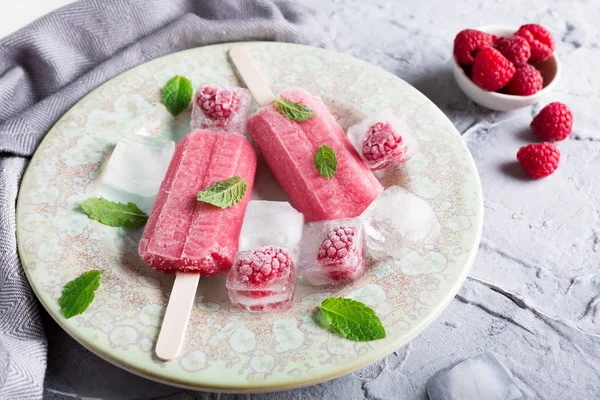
pixel 177 94
pixel 114 214
pixel 326 161
pixel 224 193
pixel 79 293
pixel 294 111
pixel 351 319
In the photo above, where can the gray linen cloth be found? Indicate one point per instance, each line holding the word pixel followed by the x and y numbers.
pixel 48 66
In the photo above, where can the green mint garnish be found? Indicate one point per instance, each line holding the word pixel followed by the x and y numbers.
pixel 294 111
pixel 224 193
pixel 326 161
pixel 79 293
pixel 177 94
pixel 114 214
pixel 351 319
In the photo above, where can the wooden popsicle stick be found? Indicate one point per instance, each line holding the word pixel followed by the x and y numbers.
pixel 251 75
pixel 174 325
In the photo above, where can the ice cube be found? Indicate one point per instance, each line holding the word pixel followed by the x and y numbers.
pixel 271 223
pixel 479 378
pixel 396 219
pixel 384 141
pixel 136 169
pixel 262 280
pixel 221 109
pixel 332 252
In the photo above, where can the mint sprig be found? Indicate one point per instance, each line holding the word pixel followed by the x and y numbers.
pixel 294 111
pixel 79 293
pixel 351 319
pixel 114 214
pixel 177 94
pixel 225 193
pixel 325 161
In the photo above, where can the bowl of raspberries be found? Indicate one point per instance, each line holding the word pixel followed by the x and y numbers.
pixel 504 68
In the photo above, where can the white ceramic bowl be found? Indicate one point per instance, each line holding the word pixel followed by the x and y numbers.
pixel 550 70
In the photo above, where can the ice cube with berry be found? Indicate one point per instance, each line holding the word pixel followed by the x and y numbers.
pixel 398 219
pixel 333 251
pixel 262 280
pixel 384 141
pixel 223 109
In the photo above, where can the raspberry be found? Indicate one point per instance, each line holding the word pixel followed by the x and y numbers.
pixel 515 49
pixel 553 123
pixel 540 41
pixel 468 42
pixel 491 70
pixel 218 103
pixel 334 251
pixel 336 246
pixel 539 159
pixel 526 81
pixel 381 144
pixel 262 267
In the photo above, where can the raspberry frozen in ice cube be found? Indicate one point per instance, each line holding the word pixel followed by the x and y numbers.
pixel 332 252
pixel 221 109
pixel 262 280
pixel 384 141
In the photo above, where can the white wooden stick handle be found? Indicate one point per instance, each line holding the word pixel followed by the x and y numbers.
pixel 251 75
pixel 174 325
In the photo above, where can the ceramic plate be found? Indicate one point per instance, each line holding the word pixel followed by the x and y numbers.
pixel 227 349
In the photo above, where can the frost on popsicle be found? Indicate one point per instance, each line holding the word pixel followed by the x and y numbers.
pixel 333 252
pixel 221 109
pixel 384 141
pixel 396 219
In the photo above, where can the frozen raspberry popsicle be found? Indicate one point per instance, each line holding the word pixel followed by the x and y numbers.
pixel 332 252
pixel 288 146
pixel 185 235
pixel 222 109
pixel 384 141
pixel 262 280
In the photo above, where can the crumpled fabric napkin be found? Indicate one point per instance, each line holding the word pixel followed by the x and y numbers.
pixel 46 67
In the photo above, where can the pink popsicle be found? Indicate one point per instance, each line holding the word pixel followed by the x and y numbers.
pixel 185 235
pixel 289 147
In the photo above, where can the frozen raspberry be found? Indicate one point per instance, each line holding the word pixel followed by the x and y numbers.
pixel 526 81
pixel 337 245
pixel 335 250
pixel 515 49
pixel 540 41
pixel 491 70
pixel 218 103
pixel 539 159
pixel 468 42
pixel 263 266
pixel 553 123
pixel 381 144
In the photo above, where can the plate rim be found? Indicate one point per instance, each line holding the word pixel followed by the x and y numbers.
pixel 263 387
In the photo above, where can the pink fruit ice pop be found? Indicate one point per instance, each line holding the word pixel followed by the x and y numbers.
pixel 289 148
pixel 185 235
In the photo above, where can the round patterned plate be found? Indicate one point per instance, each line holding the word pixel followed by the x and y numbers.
pixel 228 349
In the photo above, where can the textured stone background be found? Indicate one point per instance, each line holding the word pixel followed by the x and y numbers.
pixel 533 296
